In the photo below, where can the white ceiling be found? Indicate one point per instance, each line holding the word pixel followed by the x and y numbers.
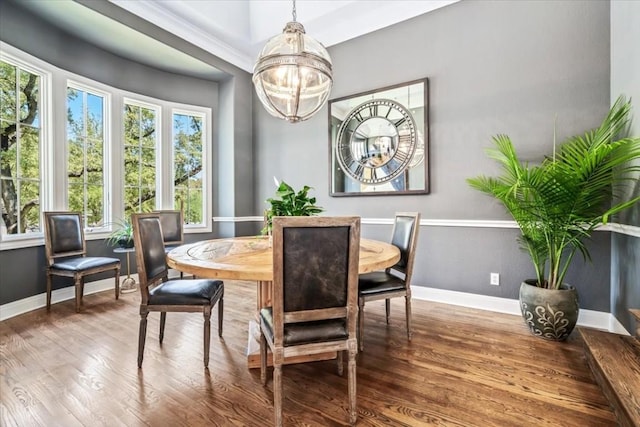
pixel 236 30
pixel 233 30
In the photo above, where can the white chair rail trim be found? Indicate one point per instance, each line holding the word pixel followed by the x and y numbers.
pixel 629 230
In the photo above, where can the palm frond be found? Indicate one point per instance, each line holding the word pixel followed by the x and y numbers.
pixel 558 203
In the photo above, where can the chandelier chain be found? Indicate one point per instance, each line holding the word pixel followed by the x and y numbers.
pixel 293 12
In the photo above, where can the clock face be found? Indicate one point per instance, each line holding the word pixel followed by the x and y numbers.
pixel 376 141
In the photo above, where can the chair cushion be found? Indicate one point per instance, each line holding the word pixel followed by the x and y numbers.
pixel 307 332
pixel 185 292
pixel 379 282
pixel 85 263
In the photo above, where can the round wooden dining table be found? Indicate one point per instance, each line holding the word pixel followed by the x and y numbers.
pixel 251 258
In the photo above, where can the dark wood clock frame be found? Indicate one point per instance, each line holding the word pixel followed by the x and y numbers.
pixel 379 141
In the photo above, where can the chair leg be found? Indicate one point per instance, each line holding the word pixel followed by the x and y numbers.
pixel 207 334
pixel 220 313
pixel 163 320
pixel 79 290
pixel 142 335
pixel 340 360
pixel 361 323
pixel 117 282
pixel 408 314
pixel 353 411
pixel 387 307
pixel 48 291
pixel 277 393
pixel 263 358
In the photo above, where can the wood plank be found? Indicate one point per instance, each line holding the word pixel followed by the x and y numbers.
pixel 615 362
pixel 635 312
pixel 68 368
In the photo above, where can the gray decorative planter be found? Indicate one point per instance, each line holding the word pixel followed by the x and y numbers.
pixel 550 313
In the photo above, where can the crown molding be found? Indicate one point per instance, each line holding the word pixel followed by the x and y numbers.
pixel 154 12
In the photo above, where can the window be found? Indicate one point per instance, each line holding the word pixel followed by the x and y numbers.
pixel 140 160
pixel 21 139
pixel 189 151
pixel 86 153
pixel 110 152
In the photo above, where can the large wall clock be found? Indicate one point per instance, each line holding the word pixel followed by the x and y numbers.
pixel 376 141
pixel 379 141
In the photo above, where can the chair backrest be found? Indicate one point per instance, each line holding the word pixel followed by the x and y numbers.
pixel 315 270
pixel 64 235
pixel 405 237
pixel 172 224
pixel 150 254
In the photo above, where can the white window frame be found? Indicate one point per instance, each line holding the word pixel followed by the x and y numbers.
pixel 53 119
pixel 33 65
pixel 99 90
pixel 207 144
pixel 147 103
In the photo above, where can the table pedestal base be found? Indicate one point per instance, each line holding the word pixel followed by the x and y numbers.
pixel 253 351
pixel 128 285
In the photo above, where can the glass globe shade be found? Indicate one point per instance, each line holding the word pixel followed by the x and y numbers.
pixel 292 75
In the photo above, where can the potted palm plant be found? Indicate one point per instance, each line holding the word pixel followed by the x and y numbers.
pixel 557 205
pixel 288 202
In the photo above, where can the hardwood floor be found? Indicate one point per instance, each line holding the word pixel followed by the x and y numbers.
pixel 464 367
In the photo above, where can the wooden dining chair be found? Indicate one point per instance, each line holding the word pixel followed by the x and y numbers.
pixel 394 281
pixel 66 253
pixel 163 295
pixel 172 224
pixel 314 305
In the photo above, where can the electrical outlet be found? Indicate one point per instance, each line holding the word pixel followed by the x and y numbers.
pixel 495 279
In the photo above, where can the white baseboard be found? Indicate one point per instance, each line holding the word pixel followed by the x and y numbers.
pixel 589 318
pixel 58 295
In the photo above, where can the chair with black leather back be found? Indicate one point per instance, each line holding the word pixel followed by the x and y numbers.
pixel 314 305
pixel 163 295
pixel 395 281
pixel 66 253
pixel 172 224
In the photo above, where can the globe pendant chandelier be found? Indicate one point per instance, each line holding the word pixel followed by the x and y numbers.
pixel 292 75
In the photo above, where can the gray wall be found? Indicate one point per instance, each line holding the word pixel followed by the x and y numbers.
pixel 22 270
pixel 494 67
pixel 625 79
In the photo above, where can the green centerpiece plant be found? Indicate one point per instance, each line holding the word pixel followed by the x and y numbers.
pixel 559 202
pixel 288 202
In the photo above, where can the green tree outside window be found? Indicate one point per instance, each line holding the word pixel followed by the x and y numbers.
pixel 187 159
pixel 85 156
pixel 20 145
pixel 140 146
